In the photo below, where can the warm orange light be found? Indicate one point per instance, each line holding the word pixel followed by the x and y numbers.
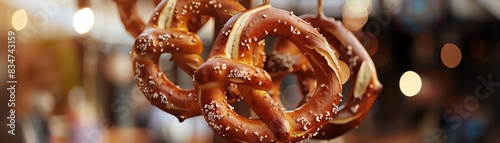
pixel 451 55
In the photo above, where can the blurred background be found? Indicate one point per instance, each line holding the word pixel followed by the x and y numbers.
pixel 439 62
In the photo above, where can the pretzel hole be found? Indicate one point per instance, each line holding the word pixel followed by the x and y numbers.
pixel 346 90
pixel 270 40
pixel 206 33
pixel 165 64
pixel 173 72
pixel 243 109
pixel 291 92
pixel 183 79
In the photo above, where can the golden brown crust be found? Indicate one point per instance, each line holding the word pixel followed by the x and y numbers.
pixel 234 46
pixel 168 32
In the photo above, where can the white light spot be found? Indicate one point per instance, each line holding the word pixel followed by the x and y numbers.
pixel 19 19
pixel 410 83
pixel 83 20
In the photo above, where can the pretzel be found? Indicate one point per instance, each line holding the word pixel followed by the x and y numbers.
pixel 230 61
pixel 134 25
pixel 365 87
pixel 167 32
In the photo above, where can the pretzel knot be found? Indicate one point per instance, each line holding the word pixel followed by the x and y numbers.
pixel 230 62
pixel 171 29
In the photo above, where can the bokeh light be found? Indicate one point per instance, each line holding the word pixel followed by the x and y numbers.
pixel 410 83
pixel 345 72
pixel 451 55
pixel 83 20
pixel 19 19
pixel 355 13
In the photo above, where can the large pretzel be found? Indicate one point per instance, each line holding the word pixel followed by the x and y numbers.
pixel 365 87
pixel 134 25
pixel 167 32
pixel 230 62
